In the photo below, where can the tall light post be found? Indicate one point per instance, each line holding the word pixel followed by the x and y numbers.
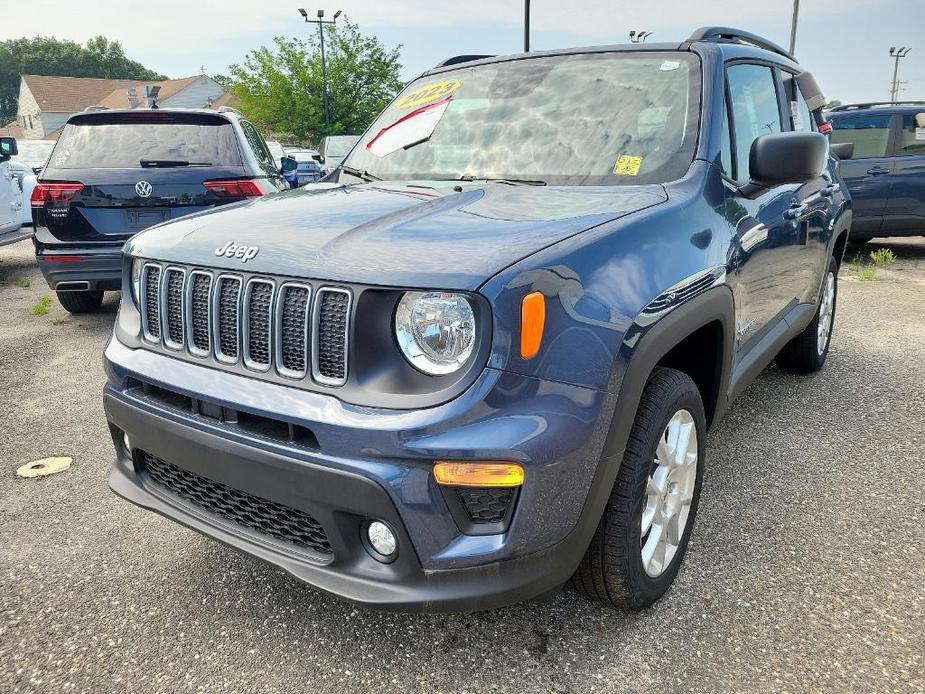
pixel 321 21
pixel 793 26
pixel 896 55
pixel 526 26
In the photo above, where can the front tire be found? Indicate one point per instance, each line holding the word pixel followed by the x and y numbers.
pixel 80 302
pixel 806 352
pixel 640 542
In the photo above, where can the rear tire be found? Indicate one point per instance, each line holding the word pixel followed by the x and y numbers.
pixel 80 302
pixel 806 352
pixel 621 566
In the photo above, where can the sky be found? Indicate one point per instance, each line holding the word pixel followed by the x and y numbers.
pixel 845 43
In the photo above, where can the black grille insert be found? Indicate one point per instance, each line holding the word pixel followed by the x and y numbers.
pixel 259 323
pixel 331 336
pixel 174 307
pixel 293 330
pixel 201 284
pixel 152 285
pixel 229 289
pixel 266 517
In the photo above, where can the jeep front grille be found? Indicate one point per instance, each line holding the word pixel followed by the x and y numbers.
pixel 260 324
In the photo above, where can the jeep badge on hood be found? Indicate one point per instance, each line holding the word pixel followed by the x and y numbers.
pixel 233 250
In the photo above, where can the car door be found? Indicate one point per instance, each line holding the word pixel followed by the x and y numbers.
pixel 905 209
pixel 10 194
pixel 764 255
pixel 867 173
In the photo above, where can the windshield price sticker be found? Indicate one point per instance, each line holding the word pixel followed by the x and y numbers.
pixel 627 165
pixel 919 134
pixel 427 93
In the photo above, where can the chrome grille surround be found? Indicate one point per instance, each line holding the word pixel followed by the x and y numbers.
pixel 258 329
pixel 285 329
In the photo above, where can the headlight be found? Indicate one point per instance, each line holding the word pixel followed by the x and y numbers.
pixel 435 331
pixel 136 280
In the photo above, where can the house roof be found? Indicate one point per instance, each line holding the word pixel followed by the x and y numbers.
pixel 71 94
pixel 226 99
pixel 12 129
pixel 118 98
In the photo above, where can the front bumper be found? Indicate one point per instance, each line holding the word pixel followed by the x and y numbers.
pixel 373 465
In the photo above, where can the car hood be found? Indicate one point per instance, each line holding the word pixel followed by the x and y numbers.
pixel 442 235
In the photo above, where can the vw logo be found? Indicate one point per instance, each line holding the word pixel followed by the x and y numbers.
pixel 144 189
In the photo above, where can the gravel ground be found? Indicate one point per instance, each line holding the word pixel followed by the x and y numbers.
pixel 805 570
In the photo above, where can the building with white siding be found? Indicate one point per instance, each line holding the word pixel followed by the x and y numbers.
pixel 46 102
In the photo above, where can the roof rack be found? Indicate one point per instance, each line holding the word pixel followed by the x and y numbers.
pixel 873 104
pixel 456 59
pixel 737 36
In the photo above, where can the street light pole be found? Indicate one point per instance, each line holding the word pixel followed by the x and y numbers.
pixel 526 26
pixel 896 55
pixel 793 26
pixel 321 21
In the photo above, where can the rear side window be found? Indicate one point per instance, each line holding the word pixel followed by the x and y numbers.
pixel 124 145
pixel 913 135
pixel 264 158
pixel 869 133
pixel 755 110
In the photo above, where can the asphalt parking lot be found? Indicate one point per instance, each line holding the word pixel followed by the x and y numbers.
pixel 805 570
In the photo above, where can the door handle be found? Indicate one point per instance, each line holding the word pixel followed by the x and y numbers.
pixel 830 190
pixel 796 211
pixel 878 170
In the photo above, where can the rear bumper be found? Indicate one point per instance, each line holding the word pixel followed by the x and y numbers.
pixel 342 502
pixel 69 267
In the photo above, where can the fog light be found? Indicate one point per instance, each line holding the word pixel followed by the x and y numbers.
pixel 381 538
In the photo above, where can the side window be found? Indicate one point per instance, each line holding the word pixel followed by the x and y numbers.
pixel 726 151
pixel 913 135
pixel 755 109
pixel 259 147
pixel 800 115
pixel 869 133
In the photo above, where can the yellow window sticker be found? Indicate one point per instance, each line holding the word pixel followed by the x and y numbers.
pixel 427 93
pixel 627 165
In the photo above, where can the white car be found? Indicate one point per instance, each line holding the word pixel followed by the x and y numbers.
pixel 11 196
pixel 34 153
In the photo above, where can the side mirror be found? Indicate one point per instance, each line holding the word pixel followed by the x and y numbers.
pixel 842 150
pixel 786 158
pixel 288 164
pixel 8 147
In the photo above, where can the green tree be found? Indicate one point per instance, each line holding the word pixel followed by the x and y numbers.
pixel 280 88
pixel 46 55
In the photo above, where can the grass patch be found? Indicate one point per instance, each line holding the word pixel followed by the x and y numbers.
pixel 41 308
pixel 882 256
pixel 867 274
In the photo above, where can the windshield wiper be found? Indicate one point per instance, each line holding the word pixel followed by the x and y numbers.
pixel 363 175
pixel 157 163
pixel 508 181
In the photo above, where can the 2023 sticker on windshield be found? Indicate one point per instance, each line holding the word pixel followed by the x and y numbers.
pixel 427 93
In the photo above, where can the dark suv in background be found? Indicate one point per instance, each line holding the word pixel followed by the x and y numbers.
pixel 114 173
pixel 886 172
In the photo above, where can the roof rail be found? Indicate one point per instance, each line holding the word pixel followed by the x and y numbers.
pixel 228 109
pixel 872 104
pixel 456 59
pixel 737 36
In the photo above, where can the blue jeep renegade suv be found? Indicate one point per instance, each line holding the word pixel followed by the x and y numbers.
pixel 482 358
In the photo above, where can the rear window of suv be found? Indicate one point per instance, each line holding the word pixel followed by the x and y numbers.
pixel 125 141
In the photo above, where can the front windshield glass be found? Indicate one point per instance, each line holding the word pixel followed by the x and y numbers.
pixel 588 119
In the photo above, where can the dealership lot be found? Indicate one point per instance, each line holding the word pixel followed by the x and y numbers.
pixel 806 570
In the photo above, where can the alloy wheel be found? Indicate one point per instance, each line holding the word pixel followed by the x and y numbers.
pixel 826 311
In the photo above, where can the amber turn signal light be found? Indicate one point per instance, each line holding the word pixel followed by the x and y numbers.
pixel 478 474
pixel 532 322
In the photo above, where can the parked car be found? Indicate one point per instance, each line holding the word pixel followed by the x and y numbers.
pixel 308 170
pixel 483 359
pixel 277 152
pixel 886 171
pixel 26 180
pixel 11 220
pixel 34 153
pixel 115 173
pixel 334 148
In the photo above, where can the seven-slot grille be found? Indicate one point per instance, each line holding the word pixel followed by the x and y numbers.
pixel 258 322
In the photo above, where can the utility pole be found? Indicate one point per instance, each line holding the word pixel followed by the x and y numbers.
pixel 896 55
pixel 793 26
pixel 526 26
pixel 321 21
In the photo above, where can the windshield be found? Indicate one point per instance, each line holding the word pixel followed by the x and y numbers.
pixel 339 146
pixel 126 145
pixel 34 150
pixel 589 119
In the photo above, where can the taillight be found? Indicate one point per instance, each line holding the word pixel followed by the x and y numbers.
pixel 54 193
pixel 825 127
pixel 234 188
